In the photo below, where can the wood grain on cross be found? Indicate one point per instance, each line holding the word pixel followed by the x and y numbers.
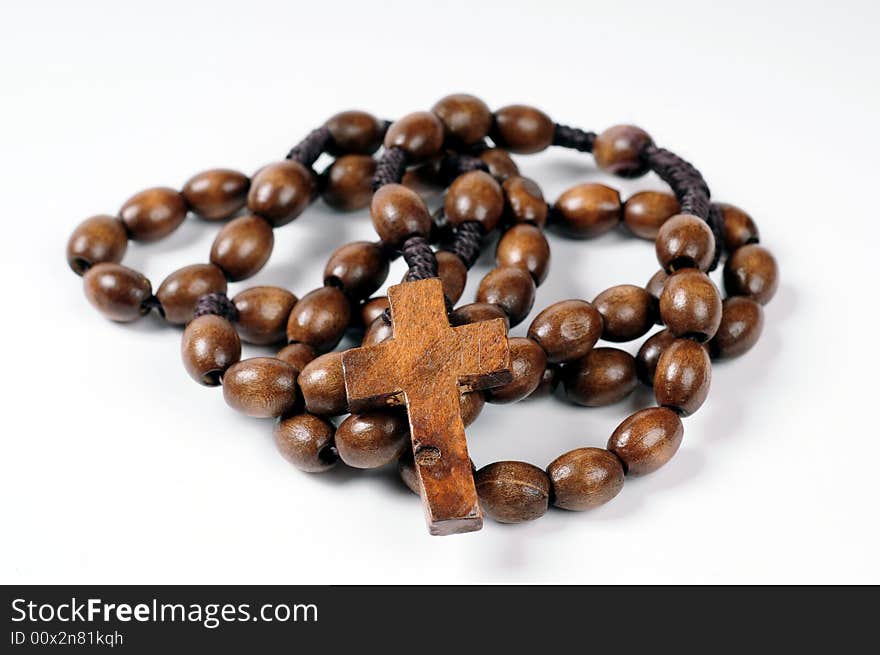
pixel 425 365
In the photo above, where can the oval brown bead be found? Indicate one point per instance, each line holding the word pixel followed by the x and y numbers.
pixel 118 292
pixel 377 332
pixel 354 132
pixel 737 227
pixel 547 386
pixel 567 330
pixel 649 355
pixel 472 403
pixel 685 241
pixel 372 439
pixel 618 150
pixel 349 181
pixel 627 312
pixel 419 135
pixel 358 268
pixel 466 118
pixel 742 320
pixel 525 246
pixel 751 271
pixel 210 345
pixel 97 240
pixel 588 210
pixel 475 196
pixel 399 213
pixel 683 376
pixel 297 355
pixel 281 191
pixel 522 129
pixel 243 247
pixel 319 319
pixel 476 312
pixel 656 283
pixel 179 291
pixel 452 273
pixel 602 377
pixel 512 289
pixel 322 383
pixel 262 314
pixel 501 165
pixel 306 441
pixel 216 194
pixel 585 478
pixel 524 201
pixel 645 212
pixel 690 305
pixel 153 213
pixel 373 309
pixel 262 387
pixel 512 492
pixel 647 440
pixel 527 364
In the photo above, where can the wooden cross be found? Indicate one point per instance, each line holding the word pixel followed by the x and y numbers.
pixel 425 365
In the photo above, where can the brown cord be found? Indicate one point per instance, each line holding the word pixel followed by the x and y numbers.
pixel 420 258
pixel 390 168
pixel 573 137
pixel 467 241
pixel 216 303
pixel 307 151
pixel 454 164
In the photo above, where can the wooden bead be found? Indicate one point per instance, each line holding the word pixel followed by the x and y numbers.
pixel 627 312
pixel 527 364
pixel 525 246
pixel 297 355
pixel 419 135
pixel 472 404
pixel 737 227
pixel 567 330
pixel 522 129
pixel 374 308
pixel 452 273
pixel 512 289
pixel 751 271
pixel 179 291
pixel 377 332
pixel 358 268
pixel 647 440
pixel 645 212
pixel 263 313
pixel 348 182
pixel 656 283
pixel 319 319
pixel 153 213
pixel 118 292
pixel 513 492
pixel 465 118
pixel 372 439
pixel 96 240
pixel 501 165
pixel 683 376
pixel 216 194
pixel 399 213
pixel 649 355
pixel 524 201
pixel 588 210
pixel 476 312
pixel 243 247
pixel 742 320
pixel 354 132
pixel 281 191
pixel 547 386
pixel 475 196
pixel 262 387
pixel 685 241
pixel 585 478
pixel 406 468
pixel 690 305
pixel 618 150
pixel 323 385
pixel 603 376
pixel 306 441
pixel 210 345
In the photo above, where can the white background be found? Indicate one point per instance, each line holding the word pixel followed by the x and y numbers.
pixel 116 468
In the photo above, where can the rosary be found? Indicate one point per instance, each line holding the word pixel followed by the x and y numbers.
pixel 425 366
